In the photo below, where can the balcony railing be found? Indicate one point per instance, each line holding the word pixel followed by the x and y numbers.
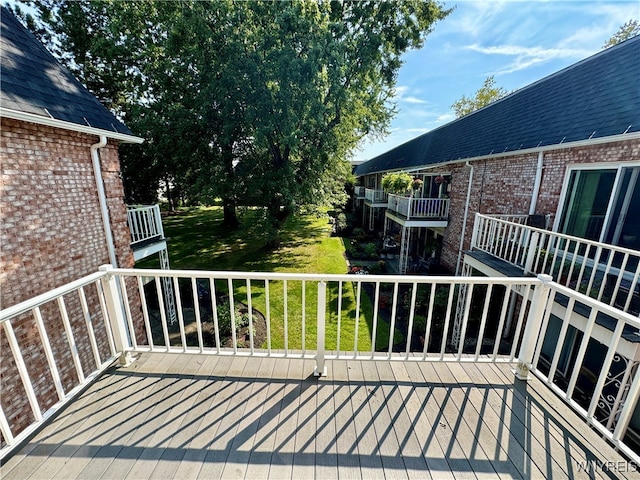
pixel 375 196
pixel 402 319
pixel 358 191
pixel 605 272
pixel 144 222
pixel 419 208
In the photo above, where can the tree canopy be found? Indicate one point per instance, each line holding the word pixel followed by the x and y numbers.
pixel 488 93
pixel 258 103
pixel 626 31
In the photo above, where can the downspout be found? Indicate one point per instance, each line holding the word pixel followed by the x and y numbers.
pixel 536 184
pixel 464 221
pixel 102 198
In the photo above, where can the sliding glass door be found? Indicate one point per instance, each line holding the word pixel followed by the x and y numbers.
pixel 603 205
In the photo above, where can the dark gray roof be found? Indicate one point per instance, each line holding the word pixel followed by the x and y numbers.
pixel 597 97
pixel 32 81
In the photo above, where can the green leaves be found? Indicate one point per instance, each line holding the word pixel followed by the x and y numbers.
pixel 259 103
pixel 398 183
pixel 488 93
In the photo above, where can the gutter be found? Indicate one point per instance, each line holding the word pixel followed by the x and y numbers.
pixel 102 198
pixel 53 122
pixel 525 151
pixel 464 221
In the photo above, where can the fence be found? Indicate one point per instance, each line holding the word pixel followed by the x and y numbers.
pixel 604 272
pixel 525 321
pixel 144 222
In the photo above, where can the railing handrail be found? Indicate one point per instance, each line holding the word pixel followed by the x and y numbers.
pixel 115 287
pixel 571 238
pixel 30 304
pixel 318 277
pixel 145 222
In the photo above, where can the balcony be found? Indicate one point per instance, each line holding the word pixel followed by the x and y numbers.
pixel 375 198
pixel 370 376
pixel 604 272
pixel 409 208
pixel 147 234
pixel 358 192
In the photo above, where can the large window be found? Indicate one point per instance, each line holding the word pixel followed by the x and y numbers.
pixel 603 205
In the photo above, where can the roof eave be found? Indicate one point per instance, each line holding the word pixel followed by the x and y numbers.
pixel 547 148
pixel 53 122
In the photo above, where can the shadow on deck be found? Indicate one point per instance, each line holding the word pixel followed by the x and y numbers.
pixel 187 416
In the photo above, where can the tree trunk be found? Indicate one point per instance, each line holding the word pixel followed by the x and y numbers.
pixel 230 219
pixel 169 197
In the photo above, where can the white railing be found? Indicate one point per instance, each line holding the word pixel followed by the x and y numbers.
pixel 320 317
pixel 375 196
pixel 606 399
pixel 605 272
pixel 75 342
pixel 144 222
pixel 358 191
pixel 419 207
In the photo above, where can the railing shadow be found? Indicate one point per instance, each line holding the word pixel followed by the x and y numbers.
pixel 264 417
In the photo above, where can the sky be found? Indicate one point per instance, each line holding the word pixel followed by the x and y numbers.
pixel 519 42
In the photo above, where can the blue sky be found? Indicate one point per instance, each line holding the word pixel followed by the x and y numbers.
pixel 517 41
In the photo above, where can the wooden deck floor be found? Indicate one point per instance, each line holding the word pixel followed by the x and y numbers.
pixel 184 416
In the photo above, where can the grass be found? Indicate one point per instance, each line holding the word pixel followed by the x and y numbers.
pixel 197 241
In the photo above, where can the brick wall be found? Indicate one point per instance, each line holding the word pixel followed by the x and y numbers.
pixel 51 233
pixel 505 186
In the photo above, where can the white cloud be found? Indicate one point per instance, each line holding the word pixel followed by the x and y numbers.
pixel 402 96
pixel 446 118
pixel 414 100
pixel 526 57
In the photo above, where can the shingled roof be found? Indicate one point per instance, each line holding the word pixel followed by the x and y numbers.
pixel 34 83
pixel 592 99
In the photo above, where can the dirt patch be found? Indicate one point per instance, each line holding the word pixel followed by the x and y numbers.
pixel 243 334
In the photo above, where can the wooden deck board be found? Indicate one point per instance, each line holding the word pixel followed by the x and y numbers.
pixel 189 416
pixel 569 443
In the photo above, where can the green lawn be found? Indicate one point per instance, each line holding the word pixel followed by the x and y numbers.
pixel 196 241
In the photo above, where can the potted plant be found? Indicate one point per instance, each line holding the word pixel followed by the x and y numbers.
pixel 440 179
pixel 397 183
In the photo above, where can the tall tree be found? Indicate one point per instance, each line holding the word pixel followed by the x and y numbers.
pixel 626 31
pixel 258 103
pixel 488 93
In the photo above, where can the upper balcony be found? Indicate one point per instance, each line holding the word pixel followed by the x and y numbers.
pixel 414 379
pixel 607 273
pixel 147 234
pixel 375 198
pixel 358 192
pixel 435 211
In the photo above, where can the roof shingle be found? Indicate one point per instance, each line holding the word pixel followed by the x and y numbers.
pixel 597 97
pixel 32 81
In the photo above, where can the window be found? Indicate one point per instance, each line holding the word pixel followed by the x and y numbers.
pixel 600 204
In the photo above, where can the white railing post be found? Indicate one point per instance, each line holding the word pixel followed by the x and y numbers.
pixel 320 369
pixel 476 228
pixel 158 220
pixel 115 312
pixel 532 329
pixel 531 253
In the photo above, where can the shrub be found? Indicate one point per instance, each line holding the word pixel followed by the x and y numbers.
pixel 369 249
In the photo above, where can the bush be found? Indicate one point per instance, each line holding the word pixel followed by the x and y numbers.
pixel 370 249
pixel 224 319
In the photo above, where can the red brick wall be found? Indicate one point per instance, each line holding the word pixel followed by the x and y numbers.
pixel 505 186
pixel 51 233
